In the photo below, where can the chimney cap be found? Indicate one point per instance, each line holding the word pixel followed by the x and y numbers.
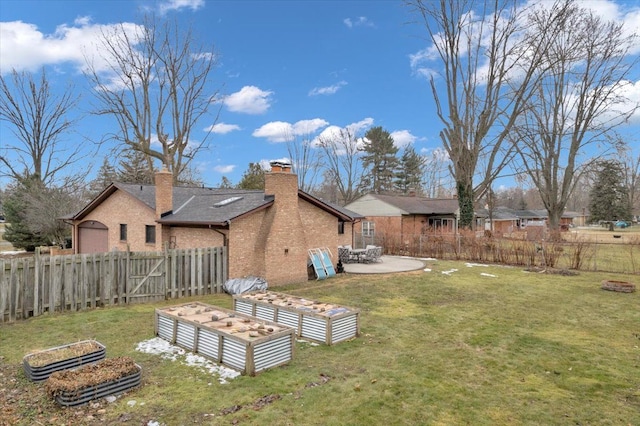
pixel 280 163
pixel 282 166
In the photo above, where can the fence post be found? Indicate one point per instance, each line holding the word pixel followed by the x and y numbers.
pixel 36 282
pixel 126 277
pixel 166 271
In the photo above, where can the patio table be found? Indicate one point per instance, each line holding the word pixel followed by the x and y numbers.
pixel 358 253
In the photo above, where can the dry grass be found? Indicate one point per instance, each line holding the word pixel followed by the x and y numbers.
pixel 484 345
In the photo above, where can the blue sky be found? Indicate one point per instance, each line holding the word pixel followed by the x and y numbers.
pixel 304 66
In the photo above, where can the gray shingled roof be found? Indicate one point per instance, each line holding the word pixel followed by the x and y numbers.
pixel 505 213
pixel 420 205
pixel 199 205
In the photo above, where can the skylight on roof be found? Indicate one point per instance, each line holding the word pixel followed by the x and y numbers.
pixel 227 201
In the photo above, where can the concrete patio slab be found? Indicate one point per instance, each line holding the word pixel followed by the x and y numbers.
pixel 389 264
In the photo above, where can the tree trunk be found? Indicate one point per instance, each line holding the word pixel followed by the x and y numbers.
pixel 465 202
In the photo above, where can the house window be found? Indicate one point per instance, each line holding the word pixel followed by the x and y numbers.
pixel 150 234
pixel 123 232
pixel 340 227
pixel 368 229
pixel 442 225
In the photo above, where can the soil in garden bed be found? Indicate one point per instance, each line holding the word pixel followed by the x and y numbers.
pixel 107 370
pixel 40 359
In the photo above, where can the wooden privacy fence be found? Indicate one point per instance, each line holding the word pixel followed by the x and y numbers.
pixel 31 286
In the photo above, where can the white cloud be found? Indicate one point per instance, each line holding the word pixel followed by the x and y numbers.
pixel 421 61
pixel 329 90
pixel 224 169
pixel 222 128
pixel 168 5
pixel 627 96
pixel 402 138
pixel 632 92
pixel 359 126
pixel 281 131
pixel 275 131
pixel 305 127
pixel 337 132
pixel 26 48
pixel 249 100
pixel 360 21
pixel 208 56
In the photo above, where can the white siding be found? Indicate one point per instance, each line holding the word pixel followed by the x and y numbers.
pixel 368 205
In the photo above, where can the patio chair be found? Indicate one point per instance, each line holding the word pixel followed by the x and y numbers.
pixel 372 254
pixel 343 255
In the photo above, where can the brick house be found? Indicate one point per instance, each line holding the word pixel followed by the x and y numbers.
pixel 267 233
pixel 503 221
pixel 404 216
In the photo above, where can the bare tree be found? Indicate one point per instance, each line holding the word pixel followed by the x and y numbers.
pixel 486 77
pixel 343 165
pixel 157 86
pixel 576 103
pixel 306 161
pixel 631 172
pixel 39 119
pixel 437 181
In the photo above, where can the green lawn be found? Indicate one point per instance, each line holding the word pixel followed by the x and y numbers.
pixel 480 346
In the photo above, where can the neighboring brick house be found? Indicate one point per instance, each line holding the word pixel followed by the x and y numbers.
pixel 503 221
pixel 267 233
pixel 405 216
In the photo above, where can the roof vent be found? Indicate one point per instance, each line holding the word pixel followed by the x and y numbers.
pixel 227 201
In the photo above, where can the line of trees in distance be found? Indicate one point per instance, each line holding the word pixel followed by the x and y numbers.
pixel 527 89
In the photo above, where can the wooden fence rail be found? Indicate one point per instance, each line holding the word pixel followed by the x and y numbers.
pixel 31 286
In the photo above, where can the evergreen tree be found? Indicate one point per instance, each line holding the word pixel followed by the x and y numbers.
pixel 225 183
pixel 16 208
pixel 135 167
pixel 253 177
pixel 410 172
pixel 379 161
pixel 609 199
pixel 106 175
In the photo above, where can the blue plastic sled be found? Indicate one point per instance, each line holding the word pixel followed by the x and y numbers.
pixel 326 261
pixel 317 265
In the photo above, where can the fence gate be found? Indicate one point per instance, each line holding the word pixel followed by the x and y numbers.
pixel 146 277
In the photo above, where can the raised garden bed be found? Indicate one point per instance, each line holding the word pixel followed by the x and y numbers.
pixel 233 339
pixel 94 381
pixel 619 286
pixel 317 321
pixel 38 366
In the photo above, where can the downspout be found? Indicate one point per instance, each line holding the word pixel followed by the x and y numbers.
pixel 353 232
pixel 225 243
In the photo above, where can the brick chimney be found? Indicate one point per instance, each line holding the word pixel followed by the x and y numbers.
pixel 164 192
pixel 285 247
pixel 281 183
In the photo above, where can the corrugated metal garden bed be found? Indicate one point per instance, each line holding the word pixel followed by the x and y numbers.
pixel 230 338
pixel 38 366
pixel 317 321
pixel 111 376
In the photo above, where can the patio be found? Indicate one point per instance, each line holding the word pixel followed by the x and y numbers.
pixel 387 265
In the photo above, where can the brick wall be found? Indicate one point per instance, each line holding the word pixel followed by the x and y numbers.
pixel 285 249
pixel 246 246
pixel 321 229
pixel 194 237
pixel 120 208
